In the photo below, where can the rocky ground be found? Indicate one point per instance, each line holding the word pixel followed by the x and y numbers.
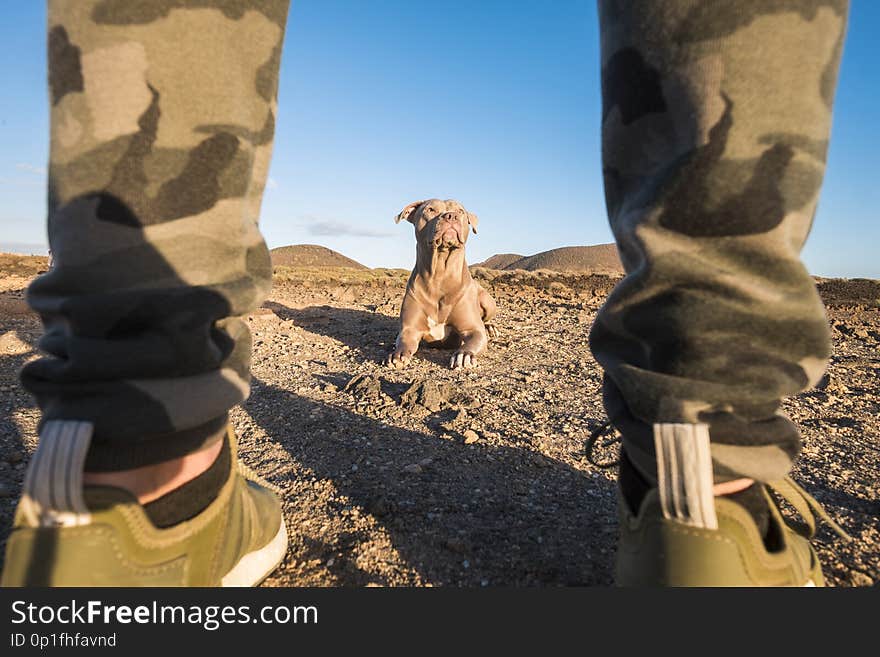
pixel 430 477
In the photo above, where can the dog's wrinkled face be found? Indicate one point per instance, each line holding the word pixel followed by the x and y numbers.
pixel 440 225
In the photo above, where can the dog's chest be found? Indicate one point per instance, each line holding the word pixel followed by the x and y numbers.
pixel 436 330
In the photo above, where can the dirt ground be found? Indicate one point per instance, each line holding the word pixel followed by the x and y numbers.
pixel 429 477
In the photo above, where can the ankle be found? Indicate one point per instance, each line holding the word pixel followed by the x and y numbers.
pixel 151 482
pixel 731 487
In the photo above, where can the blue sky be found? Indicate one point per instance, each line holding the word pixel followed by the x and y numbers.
pixel 493 103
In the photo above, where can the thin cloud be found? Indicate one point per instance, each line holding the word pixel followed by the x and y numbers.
pixel 332 228
pixel 31 168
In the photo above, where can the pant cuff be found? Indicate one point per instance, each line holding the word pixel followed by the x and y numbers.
pixel 107 456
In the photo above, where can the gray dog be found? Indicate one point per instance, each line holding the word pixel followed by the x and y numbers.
pixel 442 304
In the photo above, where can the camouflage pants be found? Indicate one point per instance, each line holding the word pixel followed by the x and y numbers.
pixel 716 118
pixel 162 117
pixel 715 124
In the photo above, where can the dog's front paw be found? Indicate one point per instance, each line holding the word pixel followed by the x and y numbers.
pixel 398 358
pixel 462 359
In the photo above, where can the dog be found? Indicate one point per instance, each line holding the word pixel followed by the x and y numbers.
pixel 442 305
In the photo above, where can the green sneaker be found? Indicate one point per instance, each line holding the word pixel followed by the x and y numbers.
pixel 658 551
pixel 682 535
pixel 65 534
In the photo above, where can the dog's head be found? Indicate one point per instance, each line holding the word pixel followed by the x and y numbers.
pixel 440 225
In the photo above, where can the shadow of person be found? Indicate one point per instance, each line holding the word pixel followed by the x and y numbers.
pixel 17 337
pixel 464 515
pixel 370 334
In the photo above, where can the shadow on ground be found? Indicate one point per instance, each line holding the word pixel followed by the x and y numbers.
pixel 467 515
pixel 371 334
pixel 13 400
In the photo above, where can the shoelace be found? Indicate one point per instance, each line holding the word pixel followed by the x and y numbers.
pixel 807 507
pixel 602 430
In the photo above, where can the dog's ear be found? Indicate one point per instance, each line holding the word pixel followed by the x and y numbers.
pixel 407 211
pixel 473 221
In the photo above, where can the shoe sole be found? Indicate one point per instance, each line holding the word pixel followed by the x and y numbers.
pixel 256 566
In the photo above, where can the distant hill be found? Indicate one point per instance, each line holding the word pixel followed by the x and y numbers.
pixel 600 259
pixel 500 260
pixel 14 264
pixel 311 255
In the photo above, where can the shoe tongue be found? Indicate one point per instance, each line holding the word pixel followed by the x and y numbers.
pixel 753 500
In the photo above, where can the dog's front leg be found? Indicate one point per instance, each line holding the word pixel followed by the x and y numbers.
pixel 473 342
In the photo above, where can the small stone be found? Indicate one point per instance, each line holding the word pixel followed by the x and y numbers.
pixel 456 545
pixel 354 467
pixel 470 437
pixel 539 461
pixel 412 468
pixel 379 507
pixel 426 462
pixel 859 578
pixel 14 456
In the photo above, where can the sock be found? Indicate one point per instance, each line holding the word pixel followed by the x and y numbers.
pixel 634 488
pixel 194 496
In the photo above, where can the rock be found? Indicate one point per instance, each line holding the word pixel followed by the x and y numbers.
pixel 264 315
pixel 14 456
pixel 540 461
pixel 470 437
pixel 379 507
pixel 859 578
pixel 456 545
pixel 465 401
pixel 364 386
pixel 425 393
pixel 412 468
